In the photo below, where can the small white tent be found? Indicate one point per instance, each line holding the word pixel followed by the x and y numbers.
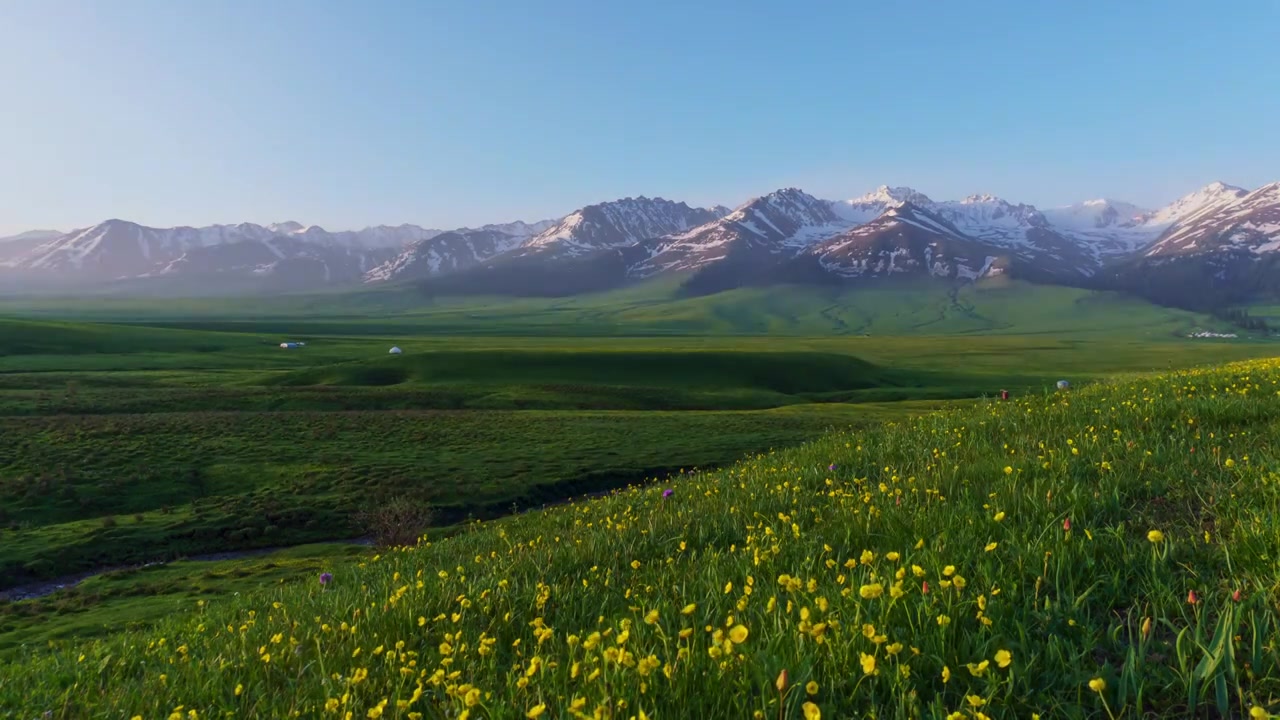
pixel 395 351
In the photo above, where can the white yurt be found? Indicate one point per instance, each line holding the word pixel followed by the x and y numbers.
pixel 395 351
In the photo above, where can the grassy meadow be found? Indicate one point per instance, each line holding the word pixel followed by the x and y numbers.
pixel 137 432
pixel 1105 552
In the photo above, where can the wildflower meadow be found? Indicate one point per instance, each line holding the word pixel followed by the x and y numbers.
pixel 1107 552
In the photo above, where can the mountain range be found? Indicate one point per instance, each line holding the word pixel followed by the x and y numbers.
pixel 1216 245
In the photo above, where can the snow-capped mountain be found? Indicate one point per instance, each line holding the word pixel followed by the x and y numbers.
pixel 784 234
pixel 1092 215
pixel 906 240
pixel 616 224
pixel 1117 229
pixel 1220 246
pixel 296 261
pixel 779 223
pixel 1227 221
pixel 455 250
pixel 118 249
pixel 1208 199
pixel 868 207
pixel 592 229
pixel 1112 228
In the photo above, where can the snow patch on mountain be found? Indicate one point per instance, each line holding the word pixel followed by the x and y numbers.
pixel 868 207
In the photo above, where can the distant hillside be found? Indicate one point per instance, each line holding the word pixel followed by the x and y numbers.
pixel 883 306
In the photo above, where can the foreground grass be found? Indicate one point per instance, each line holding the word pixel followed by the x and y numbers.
pixel 1102 554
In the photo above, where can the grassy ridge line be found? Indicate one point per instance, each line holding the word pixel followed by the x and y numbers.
pixel 814 561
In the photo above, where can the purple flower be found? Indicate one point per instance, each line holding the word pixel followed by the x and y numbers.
pixel 831 467
pixel 668 493
pixel 325 578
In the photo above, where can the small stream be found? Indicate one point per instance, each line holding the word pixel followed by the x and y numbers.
pixel 40 589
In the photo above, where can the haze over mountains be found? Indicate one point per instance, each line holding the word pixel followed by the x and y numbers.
pixel 1218 242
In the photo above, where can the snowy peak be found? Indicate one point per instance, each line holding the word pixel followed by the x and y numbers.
pixel 893 196
pixel 868 207
pixel 1204 201
pixel 992 220
pixel 1222 218
pixel 118 248
pixel 617 224
pixel 1096 215
pixel 777 224
pixel 782 213
pixel 455 250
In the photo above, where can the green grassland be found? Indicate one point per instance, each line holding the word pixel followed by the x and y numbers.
pixel 656 309
pixel 1108 552
pixel 97 490
pixel 136 432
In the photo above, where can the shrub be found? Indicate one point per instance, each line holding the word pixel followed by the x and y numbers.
pixel 397 522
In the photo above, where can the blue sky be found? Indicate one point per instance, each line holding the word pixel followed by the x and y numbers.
pixel 452 113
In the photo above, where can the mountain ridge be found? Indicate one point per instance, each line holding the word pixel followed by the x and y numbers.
pixel 887 231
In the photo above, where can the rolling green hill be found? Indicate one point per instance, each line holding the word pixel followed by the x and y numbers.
pixel 1107 553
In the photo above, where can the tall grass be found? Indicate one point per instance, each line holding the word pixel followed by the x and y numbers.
pixel 1107 553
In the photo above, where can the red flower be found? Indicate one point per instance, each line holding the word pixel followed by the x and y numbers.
pixel 1066 525
pixel 1236 596
pixel 924 587
pixel 1192 598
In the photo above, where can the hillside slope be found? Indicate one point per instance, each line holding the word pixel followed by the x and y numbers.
pixel 1102 552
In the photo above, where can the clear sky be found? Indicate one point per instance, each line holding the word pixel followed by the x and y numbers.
pixel 460 112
